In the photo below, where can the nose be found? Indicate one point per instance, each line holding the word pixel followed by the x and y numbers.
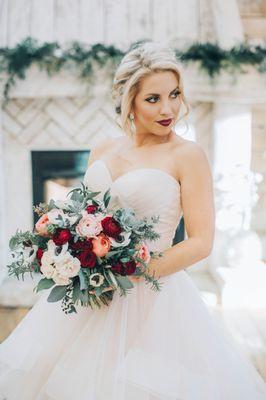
pixel 166 109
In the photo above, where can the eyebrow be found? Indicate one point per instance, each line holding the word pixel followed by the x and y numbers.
pixel 157 94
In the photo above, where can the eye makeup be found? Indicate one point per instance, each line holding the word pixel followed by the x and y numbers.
pixel 155 96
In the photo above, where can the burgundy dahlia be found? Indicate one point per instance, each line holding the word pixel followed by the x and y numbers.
pixel 127 268
pixel 111 227
pixel 61 236
pixel 119 268
pixel 87 259
pixel 130 267
pixel 81 245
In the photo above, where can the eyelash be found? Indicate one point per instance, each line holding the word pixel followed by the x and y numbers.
pixel 153 97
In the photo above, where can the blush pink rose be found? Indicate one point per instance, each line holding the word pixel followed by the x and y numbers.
pixel 89 226
pixel 101 245
pixel 42 224
pixel 143 253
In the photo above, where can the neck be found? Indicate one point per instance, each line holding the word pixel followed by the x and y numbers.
pixel 148 140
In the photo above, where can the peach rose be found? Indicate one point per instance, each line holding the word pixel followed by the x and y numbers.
pixel 101 245
pixel 143 253
pixel 42 224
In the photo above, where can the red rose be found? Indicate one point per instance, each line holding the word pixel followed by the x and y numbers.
pixel 39 255
pixel 130 267
pixel 87 258
pixel 119 268
pixel 81 244
pixel 111 227
pixel 61 236
pixel 91 209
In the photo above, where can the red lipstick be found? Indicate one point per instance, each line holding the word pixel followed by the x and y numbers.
pixel 165 122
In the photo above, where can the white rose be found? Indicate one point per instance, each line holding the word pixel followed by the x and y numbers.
pixel 68 266
pixel 125 240
pixel 47 267
pixel 61 280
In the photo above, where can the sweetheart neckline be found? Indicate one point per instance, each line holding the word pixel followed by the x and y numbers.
pixel 169 176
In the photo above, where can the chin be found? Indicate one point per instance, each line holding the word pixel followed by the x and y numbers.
pixel 164 131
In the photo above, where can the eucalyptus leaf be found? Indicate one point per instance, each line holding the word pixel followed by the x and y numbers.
pixel 106 198
pixel 83 279
pixel 124 282
pixel 45 284
pixel 76 290
pixel 84 296
pixel 57 293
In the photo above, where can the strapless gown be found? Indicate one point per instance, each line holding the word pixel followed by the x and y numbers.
pixel 148 345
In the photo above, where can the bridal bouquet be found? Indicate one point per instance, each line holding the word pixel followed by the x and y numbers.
pixel 84 251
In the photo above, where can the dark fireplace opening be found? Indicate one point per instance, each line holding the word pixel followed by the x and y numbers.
pixel 55 173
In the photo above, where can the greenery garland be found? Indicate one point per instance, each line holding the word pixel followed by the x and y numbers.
pixel 52 58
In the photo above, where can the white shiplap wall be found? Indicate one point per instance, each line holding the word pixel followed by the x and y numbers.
pixel 118 22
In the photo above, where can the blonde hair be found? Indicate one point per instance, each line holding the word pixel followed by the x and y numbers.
pixel 138 63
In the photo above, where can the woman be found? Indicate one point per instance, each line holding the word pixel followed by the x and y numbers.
pixel 148 345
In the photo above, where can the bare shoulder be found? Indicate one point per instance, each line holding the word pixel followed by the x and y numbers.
pixel 97 150
pixel 190 156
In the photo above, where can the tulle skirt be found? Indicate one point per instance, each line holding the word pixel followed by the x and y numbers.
pixel 146 346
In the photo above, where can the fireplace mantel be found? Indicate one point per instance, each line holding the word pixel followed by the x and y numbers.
pixel 244 88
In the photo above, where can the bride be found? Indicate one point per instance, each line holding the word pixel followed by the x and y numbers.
pixel 148 345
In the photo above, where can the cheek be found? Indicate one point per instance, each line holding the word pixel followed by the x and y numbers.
pixel 147 112
pixel 177 104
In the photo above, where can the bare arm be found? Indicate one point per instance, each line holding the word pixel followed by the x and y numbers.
pixel 199 215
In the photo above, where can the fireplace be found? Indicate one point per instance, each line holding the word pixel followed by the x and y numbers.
pixel 55 173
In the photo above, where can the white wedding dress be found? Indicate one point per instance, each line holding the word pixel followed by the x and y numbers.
pixel 146 346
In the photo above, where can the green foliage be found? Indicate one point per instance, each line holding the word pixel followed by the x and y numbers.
pixel 44 284
pixel 57 293
pixel 18 240
pixel 82 59
pixel 19 268
pixel 83 279
pixel 124 284
pixel 156 285
pixel 213 59
pixel 106 198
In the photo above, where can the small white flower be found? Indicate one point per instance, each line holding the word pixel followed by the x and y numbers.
pixel 57 252
pixel 125 240
pixel 96 279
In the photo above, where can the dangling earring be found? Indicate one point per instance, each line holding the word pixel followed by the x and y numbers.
pixel 132 125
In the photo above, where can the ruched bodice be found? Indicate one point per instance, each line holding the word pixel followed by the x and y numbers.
pixel 149 191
